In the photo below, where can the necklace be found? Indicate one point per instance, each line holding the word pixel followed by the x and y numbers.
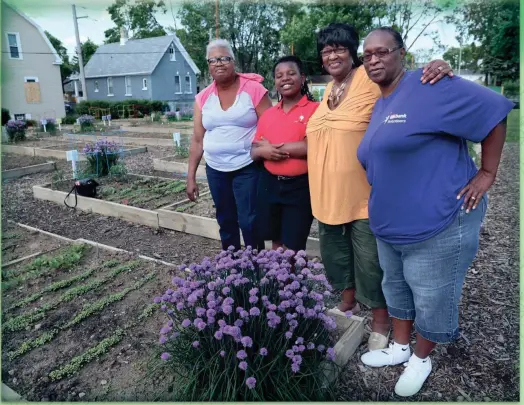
pixel 337 91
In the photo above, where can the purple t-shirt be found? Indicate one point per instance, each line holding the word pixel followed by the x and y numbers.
pixel 416 156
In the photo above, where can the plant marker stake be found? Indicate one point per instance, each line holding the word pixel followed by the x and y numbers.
pixel 44 123
pixel 109 119
pixel 176 138
pixel 72 156
pixel 59 122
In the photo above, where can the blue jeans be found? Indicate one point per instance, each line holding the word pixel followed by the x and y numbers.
pixel 423 281
pixel 235 197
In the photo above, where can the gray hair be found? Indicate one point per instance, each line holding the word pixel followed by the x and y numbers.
pixel 219 43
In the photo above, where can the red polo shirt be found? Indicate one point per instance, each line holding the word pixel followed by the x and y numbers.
pixel 277 126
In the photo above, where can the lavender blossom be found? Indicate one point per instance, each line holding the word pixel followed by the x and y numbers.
pixel 251 382
pixel 165 356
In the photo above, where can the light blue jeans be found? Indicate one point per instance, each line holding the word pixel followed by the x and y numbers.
pixel 423 281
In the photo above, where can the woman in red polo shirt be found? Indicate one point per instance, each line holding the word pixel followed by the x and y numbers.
pixel 284 209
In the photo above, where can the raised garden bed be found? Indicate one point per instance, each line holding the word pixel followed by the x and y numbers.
pixel 159 130
pixel 15 166
pixel 83 327
pixel 58 150
pixel 147 139
pixel 177 164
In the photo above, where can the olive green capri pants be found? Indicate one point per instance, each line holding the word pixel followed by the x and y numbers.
pixel 350 257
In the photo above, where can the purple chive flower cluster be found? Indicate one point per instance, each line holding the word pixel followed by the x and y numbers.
pixel 16 130
pixel 102 155
pixel 102 146
pixel 242 309
pixel 86 120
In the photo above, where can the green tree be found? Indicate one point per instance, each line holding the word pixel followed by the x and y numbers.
pixel 66 68
pixel 495 25
pixel 138 18
pixel 88 50
pixel 470 58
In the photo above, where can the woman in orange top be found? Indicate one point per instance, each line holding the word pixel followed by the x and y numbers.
pixel 338 183
pixel 284 210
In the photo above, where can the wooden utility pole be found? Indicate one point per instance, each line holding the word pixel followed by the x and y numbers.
pixel 216 19
pixel 79 53
pixel 292 48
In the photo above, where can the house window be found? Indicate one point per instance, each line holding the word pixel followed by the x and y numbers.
pixel 178 85
pixel 110 86
pixel 144 84
pixel 13 41
pixel 188 84
pixel 19 117
pixel 172 56
pixel 31 79
pixel 128 85
pixel 96 86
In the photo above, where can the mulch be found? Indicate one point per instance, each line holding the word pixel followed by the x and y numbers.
pixel 483 365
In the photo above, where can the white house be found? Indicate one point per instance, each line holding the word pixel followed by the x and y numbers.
pixel 31 81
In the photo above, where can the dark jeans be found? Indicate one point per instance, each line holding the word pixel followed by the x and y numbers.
pixel 235 196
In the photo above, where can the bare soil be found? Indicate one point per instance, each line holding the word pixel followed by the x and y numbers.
pixel 18 242
pixel 10 161
pixel 136 191
pixel 481 366
pixel 123 367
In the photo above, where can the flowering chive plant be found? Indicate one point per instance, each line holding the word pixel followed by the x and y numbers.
pixel 50 126
pixel 16 130
pixel 86 122
pixel 101 156
pixel 171 116
pixel 243 326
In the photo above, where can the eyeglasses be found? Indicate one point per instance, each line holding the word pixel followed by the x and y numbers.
pixel 338 51
pixel 382 53
pixel 224 60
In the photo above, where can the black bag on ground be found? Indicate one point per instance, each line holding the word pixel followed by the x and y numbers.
pixel 85 188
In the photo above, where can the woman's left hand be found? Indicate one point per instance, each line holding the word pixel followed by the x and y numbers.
pixel 435 70
pixel 475 189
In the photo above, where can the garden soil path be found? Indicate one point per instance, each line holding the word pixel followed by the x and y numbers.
pixel 481 366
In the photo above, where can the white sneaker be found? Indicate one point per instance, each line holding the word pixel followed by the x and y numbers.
pixel 413 377
pixel 393 355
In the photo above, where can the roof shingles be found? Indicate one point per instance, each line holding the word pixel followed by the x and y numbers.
pixel 139 56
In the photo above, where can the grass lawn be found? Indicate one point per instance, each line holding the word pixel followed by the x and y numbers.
pixel 512 134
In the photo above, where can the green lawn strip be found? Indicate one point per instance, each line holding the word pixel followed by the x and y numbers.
pixel 62 284
pixel 23 321
pixel 45 265
pixel 513 126
pixel 85 313
pixel 93 353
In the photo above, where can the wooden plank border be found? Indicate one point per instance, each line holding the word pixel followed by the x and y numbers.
pixel 27 170
pixel 163 165
pixel 123 138
pixel 59 154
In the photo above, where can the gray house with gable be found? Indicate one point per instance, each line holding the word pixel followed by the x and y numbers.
pixel 152 68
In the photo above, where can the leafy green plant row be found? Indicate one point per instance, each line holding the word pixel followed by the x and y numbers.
pixel 44 265
pixel 95 352
pixel 23 321
pixel 61 284
pixel 85 313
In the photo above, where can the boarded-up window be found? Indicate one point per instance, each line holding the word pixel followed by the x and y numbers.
pixel 32 92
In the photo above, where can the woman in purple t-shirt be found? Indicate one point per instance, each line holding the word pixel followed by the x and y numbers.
pixel 428 198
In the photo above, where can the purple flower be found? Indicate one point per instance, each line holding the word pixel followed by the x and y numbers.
pixel 247 341
pixel 331 354
pixel 211 313
pixel 311 346
pixel 157 300
pixel 251 382
pixel 254 311
pixel 295 367
pixel 222 353
pixel 226 290
pixel 196 344
pixel 228 301
pixel 239 323
pixel 290 354
pixel 299 340
pixel 227 309
pixel 244 314
pixel 253 299
pixel 210 320
pixel 162 340
pixel 348 314
pixel 163 307
pixel 253 291
pixel 165 330
pixel 289 335
pixel 297 359
pixel 243 365
pixel 321 348
pixel 241 355
pixel 186 323
pixel 222 323
pixel 165 356
pixel 200 311
pixel 263 351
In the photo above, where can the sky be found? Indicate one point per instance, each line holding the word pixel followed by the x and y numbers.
pixel 56 16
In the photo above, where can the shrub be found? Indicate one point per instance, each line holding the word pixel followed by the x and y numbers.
pixel 171 116
pixel 117 108
pixel 512 88
pixel 5 116
pixel 70 119
pixel 87 122
pixel 101 156
pixel 50 126
pixel 243 327
pixel 186 115
pixel 31 123
pixel 16 130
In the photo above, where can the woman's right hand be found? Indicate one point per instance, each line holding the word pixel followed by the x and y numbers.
pixel 192 190
pixel 269 151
